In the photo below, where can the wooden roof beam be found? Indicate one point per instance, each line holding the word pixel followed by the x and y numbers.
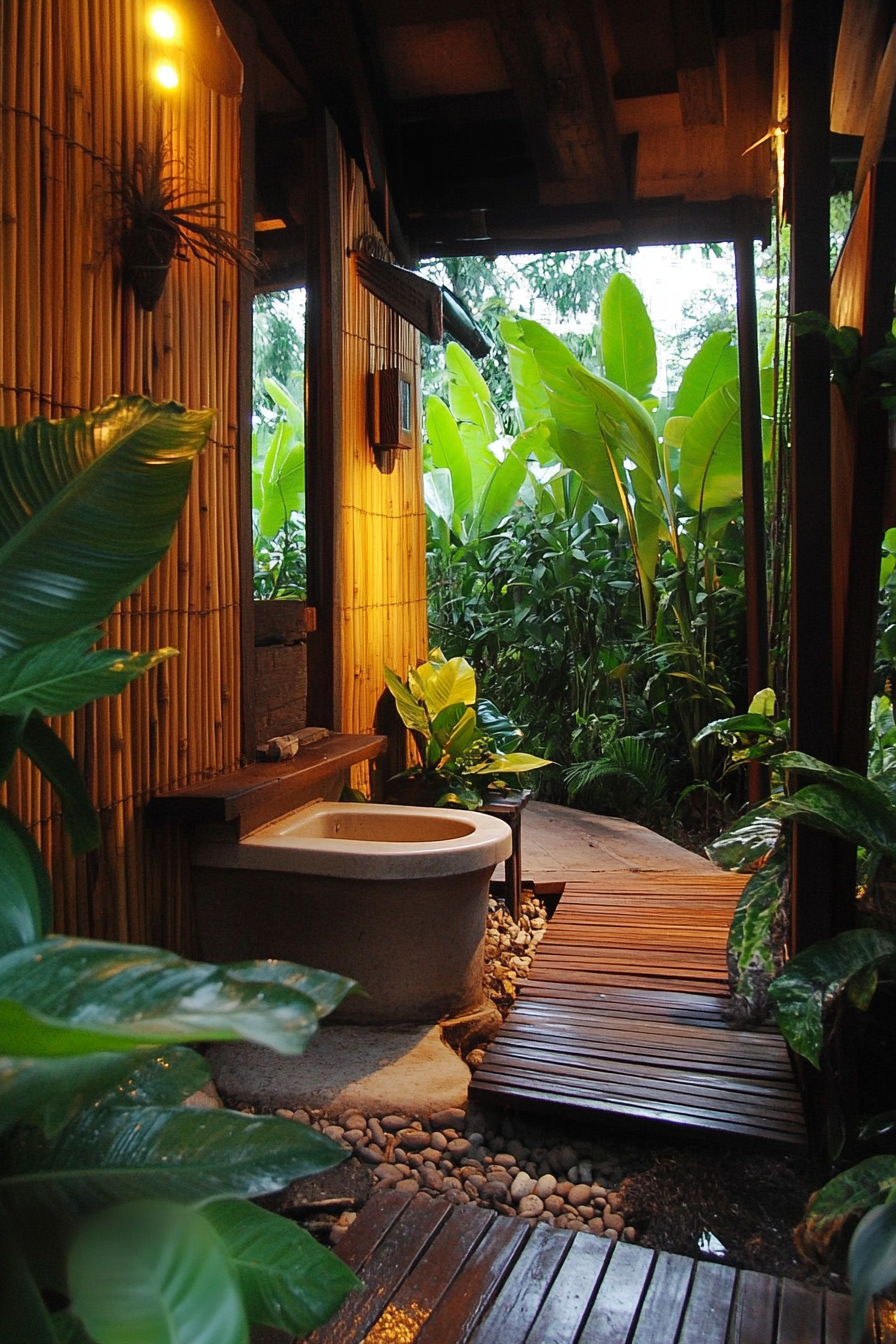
pixel 556 67
pixel 699 86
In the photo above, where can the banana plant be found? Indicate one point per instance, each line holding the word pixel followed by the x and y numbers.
pixel 122 1213
pixel 459 737
pixel 278 498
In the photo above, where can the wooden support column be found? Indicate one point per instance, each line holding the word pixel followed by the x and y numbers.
pixel 242 33
pixel 324 439
pixel 754 506
pixel 812 707
pixel 869 487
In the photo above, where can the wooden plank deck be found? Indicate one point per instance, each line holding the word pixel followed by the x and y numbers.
pixel 436 1273
pixel 622 1015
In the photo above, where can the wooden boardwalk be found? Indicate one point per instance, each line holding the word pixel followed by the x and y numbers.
pixel 622 1015
pixel 436 1273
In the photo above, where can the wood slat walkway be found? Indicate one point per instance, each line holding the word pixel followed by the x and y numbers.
pixel 622 1015
pixel 436 1273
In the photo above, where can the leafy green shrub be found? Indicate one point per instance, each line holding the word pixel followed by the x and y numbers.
pixel 119 1209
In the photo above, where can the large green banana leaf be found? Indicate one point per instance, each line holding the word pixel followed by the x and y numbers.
pixel 287 1279
pixel 529 390
pixel 503 487
pixel 449 453
pixel 88 506
pixel 628 344
pixel 468 394
pixel 282 481
pixel 68 996
pixel 154 1273
pixel 50 1092
pixel 60 677
pixel 714 364
pixel 27 897
pixel 709 468
pixel 111 1154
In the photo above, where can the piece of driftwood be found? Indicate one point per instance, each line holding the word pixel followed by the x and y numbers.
pixel 285 747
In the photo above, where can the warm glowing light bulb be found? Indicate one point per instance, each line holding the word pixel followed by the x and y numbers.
pixel 166 75
pixel 163 23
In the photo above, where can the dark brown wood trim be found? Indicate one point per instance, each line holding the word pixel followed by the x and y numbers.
pixel 265 790
pixel 812 708
pixel 242 33
pixel 324 448
pixel 754 504
pixel 869 488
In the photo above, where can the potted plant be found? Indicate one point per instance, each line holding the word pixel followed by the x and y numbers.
pixel 158 216
pixel 464 743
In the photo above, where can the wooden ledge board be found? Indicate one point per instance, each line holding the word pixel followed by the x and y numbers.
pixel 260 792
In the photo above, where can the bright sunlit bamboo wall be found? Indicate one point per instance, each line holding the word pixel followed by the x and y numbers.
pixel 383 522
pixel 75 96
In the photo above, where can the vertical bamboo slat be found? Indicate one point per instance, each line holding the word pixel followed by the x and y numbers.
pixel 383 523
pixel 75 98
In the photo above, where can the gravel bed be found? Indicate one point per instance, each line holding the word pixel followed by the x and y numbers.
pixel 459 1157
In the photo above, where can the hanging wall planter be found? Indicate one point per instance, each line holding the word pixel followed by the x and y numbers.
pixel 157 216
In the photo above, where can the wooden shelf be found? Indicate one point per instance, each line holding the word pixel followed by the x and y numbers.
pixel 245 799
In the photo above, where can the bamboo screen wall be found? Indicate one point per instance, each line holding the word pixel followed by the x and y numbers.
pixel 383 526
pixel 74 98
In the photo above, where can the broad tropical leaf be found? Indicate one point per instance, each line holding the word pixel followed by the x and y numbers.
pixel 88 506
pixel 438 494
pixel 26 898
pixel 872 1261
pixel 154 1273
pixel 412 714
pixel 56 763
pixel 50 1092
pixel 468 394
pixel 282 481
pixel 112 1154
pixel 60 677
pixel 709 469
pixel 845 804
pixel 514 763
pixel 529 390
pixel 287 1279
pixel 813 979
pixel 714 364
pixel 756 940
pixel 834 1208
pixel 449 453
pixel 68 996
pixel 747 841
pixel 453 681
pixel 628 345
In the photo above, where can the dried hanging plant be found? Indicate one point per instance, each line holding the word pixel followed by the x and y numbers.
pixel 157 216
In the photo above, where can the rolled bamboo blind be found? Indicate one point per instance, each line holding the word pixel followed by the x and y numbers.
pixel 383 524
pixel 75 97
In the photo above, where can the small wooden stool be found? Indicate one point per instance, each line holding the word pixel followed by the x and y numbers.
pixel 509 807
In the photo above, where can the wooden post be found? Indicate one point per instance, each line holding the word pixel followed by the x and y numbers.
pixel 242 33
pixel 754 507
pixel 869 488
pixel 324 447
pixel 812 707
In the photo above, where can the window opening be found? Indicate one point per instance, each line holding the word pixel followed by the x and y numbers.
pixel 278 444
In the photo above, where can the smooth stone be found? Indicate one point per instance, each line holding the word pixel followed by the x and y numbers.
pixel 301 1116
pixel 376 1071
pixel 610 1233
pixel 496 1190
pixel 476 1139
pixel 579 1194
pixel 553 1204
pixel 530 1206
pixel 545 1185
pixel 629 1234
pixel 207 1099
pixel 393 1123
pixel 407 1186
pixel 371 1154
pixel 459 1147
pixel 506 1160
pixel 450 1116
pixel 387 1169
pixel 563 1188
pixel 614 1221
pixel 334 1131
pixel 567 1157
pixel 353 1136
pixel 414 1140
pixel 353 1120
pixel 522 1185
pixel 377 1133
pixel 585 1172
pixel 439 1142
